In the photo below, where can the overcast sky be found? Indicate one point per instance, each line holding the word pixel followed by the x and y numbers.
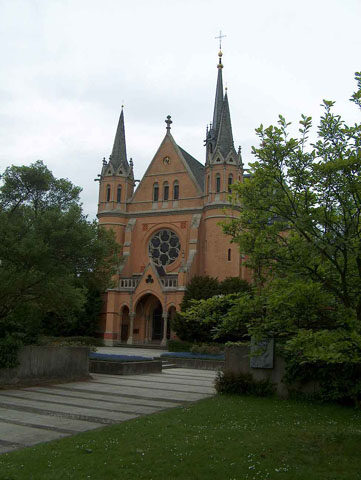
pixel 68 65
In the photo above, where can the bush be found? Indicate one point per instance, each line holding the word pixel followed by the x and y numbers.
pixel 207 349
pixel 199 288
pixel 332 358
pixel 201 356
pixel 9 348
pixel 203 287
pixel 202 320
pixel 234 285
pixel 118 358
pixel 243 384
pixel 86 341
pixel 179 346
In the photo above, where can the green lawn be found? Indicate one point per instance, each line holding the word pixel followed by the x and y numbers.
pixel 239 438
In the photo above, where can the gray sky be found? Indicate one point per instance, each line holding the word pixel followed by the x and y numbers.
pixel 68 65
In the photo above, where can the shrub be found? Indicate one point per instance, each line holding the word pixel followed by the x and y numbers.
pixel 179 346
pixel 234 285
pixel 201 356
pixel 86 341
pixel 9 348
pixel 207 348
pixel 199 288
pixel 118 358
pixel 332 358
pixel 201 321
pixel 243 384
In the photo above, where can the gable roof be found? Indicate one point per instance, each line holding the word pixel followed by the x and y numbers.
pixel 196 167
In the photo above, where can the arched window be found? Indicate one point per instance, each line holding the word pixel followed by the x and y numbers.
pixel 119 194
pixel 155 192
pixel 218 183
pixel 229 254
pixel 175 190
pixel 165 191
pixel 108 193
pixel 230 181
pixel 208 183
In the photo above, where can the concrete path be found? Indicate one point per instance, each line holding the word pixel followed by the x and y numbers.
pixel 142 352
pixel 39 414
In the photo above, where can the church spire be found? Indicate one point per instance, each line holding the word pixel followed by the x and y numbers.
pixel 225 135
pixel 119 153
pixel 219 138
pixel 219 96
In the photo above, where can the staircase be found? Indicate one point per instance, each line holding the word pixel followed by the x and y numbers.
pixel 166 363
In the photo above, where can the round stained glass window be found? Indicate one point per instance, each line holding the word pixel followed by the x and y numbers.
pixel 164 247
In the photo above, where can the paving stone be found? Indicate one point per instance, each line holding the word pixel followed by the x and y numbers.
pixel 45 421
pixel 108 397
pixel 166 379
pixel 37 414
pixel 73 401
pixel 81 413
pixel 21 435
pixel 173 386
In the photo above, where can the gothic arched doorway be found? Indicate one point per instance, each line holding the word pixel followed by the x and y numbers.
pixel 149 321
pixel 157 323
pixel 124 328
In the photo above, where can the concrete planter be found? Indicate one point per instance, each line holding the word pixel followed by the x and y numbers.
pixel 195 363
pixel 237 360
pixel 39 363
pixel 125 368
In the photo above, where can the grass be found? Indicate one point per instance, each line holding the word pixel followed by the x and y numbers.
pixel 225 437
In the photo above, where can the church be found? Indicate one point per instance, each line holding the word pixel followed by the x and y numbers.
pixel 168 227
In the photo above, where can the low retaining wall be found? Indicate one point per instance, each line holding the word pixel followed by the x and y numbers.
pixel 195 363
pixel 125 368
pixel 38 363
pixel 237 360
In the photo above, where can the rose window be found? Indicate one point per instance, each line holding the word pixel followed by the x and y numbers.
pixel 164 247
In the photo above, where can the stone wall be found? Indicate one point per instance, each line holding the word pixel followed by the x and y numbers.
pixel 196 363
pixel 38 363
pixel 125 368
pixel 237 360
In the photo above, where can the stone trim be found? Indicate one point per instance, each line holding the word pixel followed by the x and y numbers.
pixel 152 212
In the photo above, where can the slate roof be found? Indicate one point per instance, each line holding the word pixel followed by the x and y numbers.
pixel 196 167
pixel 218 103
pixel 119 153
pixel 225 136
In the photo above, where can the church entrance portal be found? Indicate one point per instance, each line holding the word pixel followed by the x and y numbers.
pixel 149 320
pixel 157 323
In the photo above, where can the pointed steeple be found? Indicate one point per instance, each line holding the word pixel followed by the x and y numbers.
pixel 119 153
pixel 218 102
pixel 225 135
pixel 219 139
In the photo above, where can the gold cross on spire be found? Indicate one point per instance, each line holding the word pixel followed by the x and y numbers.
pixel 220 36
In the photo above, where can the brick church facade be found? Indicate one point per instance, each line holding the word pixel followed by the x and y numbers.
pixel 168 228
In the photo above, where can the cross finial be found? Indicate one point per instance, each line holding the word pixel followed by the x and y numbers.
pixel 220 36
pixel 168 121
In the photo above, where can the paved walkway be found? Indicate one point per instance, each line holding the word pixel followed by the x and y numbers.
pixel 39 414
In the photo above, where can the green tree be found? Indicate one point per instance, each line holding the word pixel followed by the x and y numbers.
pixel 234 285
pixel 202 319
pixel 301 208
pixel 200 288
pixel 50 254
